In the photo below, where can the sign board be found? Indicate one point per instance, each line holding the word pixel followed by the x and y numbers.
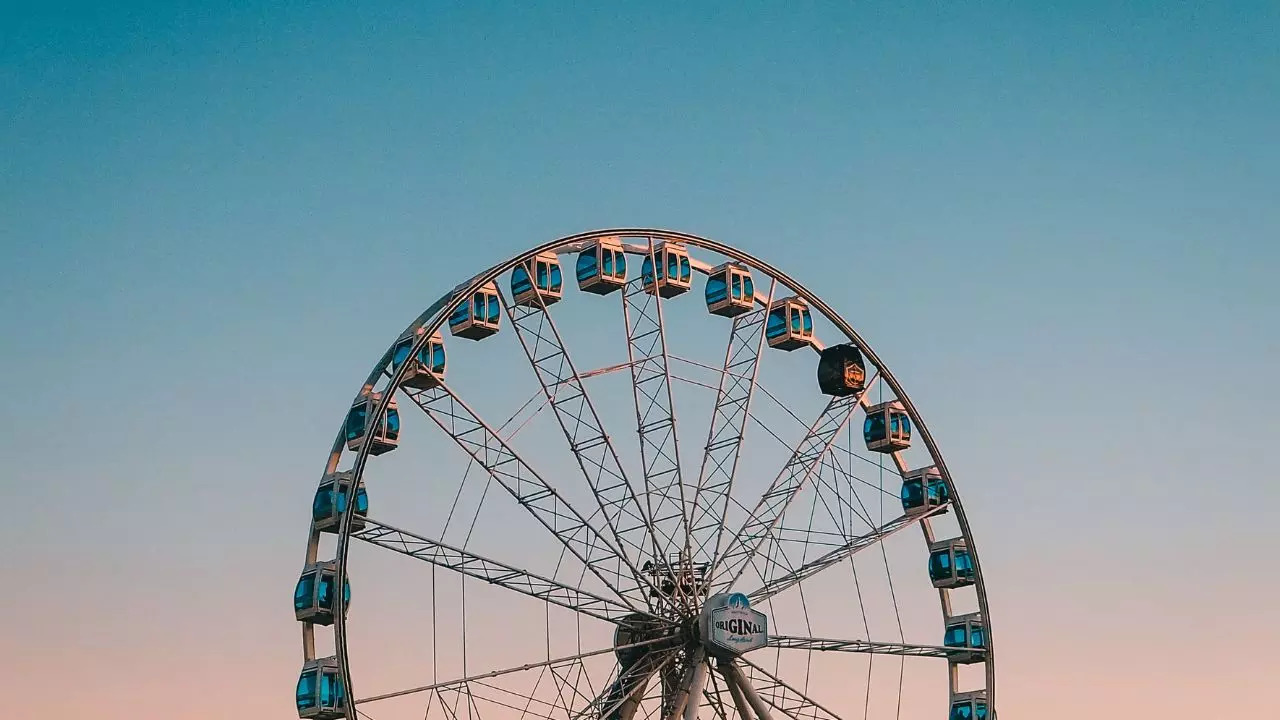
pixel 731 627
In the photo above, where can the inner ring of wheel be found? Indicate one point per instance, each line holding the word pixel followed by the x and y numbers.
pixel 437 314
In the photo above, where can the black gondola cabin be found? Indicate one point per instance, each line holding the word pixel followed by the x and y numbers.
pixel 386 432
pixel 965 639
pixel 331 502
pixel 538 281
pixel 478 316
pixel 674 272
pixel 313 596
pixel 841 371
pixel 602 267
pixel 790 324
pixel 970 705
pixel 320 693
pixel 950 565
pixel 923 490
pixel 887 428
pixel 730 291
pixel 427 368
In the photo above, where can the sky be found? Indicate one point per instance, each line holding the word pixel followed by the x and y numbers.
pixel 1058 223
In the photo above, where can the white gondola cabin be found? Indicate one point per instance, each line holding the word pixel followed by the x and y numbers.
pixel 538 281
pixel 790 324
pixel 970 705
pixel 887 428
pixel 602 267
pixel 923 490
pixel 314 595
pixel 478 316
pixel 320 693
pixel 674 272
pixel 965 639
pixel 841 371
pixel 730 291
pixel 386 431
pixel 950 565
pixel 426 370
pixel 331 502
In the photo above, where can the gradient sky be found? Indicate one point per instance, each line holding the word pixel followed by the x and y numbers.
pixel 1059 223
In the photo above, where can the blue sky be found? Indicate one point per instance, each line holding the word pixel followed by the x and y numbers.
pixel 1058 223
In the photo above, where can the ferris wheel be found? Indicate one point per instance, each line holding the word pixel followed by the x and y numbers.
pixel 636 502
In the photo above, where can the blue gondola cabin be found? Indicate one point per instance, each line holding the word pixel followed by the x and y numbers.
pixel 331 502
pixel 790 324
pixel 385 433
pixel 426 370
pixel 320 694
pixel 965 639
pixel 674 272
pixel 478 316
pixel 314 595
pixel 950 565
pixel 970 705
pixel 602 267
pixel 730 291
pixel 887 428
pixel 923 490
pixel 537 282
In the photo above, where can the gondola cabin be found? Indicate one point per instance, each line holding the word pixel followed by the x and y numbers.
pixel 538 281
pixel 674 273
pixel 478 316
pixel 386 432
pixel 965 639
pixel 331 502
pixel 887 428
pixel 313 596
pixel 970 705
pixel 841 371
pixel 426 369
pixel 730 291
pixel 950 565
pixel 923 490
pixel 602 267
pixel 790 324
pixel 320 693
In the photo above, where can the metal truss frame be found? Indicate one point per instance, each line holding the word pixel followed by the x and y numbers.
pixel 672 522
pixel 491 571
pixel 540 498
pixel 655 415
pixel 591 446
pixel 728 428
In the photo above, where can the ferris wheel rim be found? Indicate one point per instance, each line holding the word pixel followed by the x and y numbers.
pixel 435 317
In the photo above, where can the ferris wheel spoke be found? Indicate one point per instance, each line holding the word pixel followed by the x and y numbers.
pixel 838 555
pixel 502 698
pixel 491 571
pixel 712 693
pixel 656 644
pixel 804 461
pixel 624 695
pixel 655 418
pixel 569 691
pixel 728 427
pixel 684 684
pixel 791 642
pixel 780 695
pixel 517 477
pixel 596 456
